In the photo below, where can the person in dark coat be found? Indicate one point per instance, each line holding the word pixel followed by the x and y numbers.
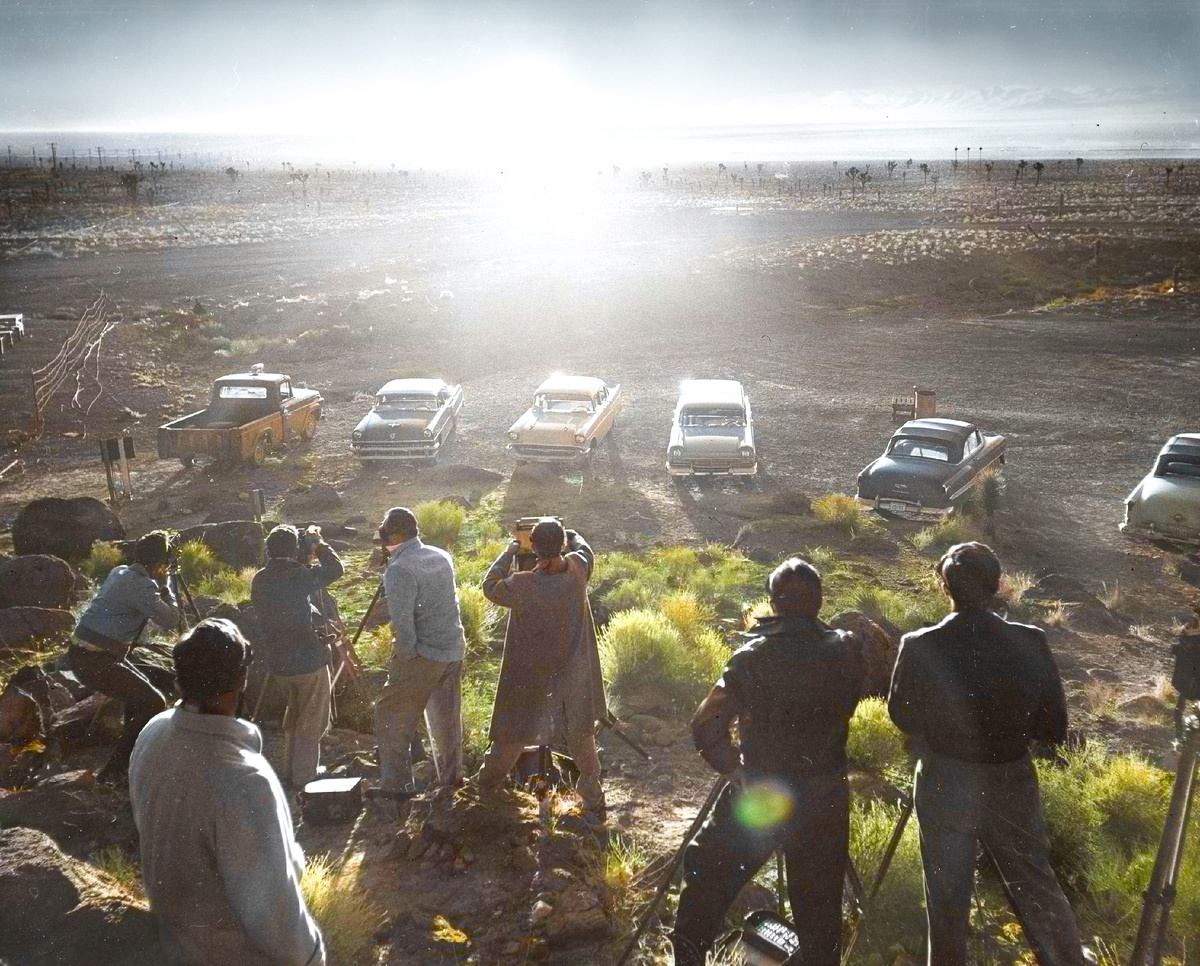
pixel 791 692
pixel 976 691
pixel 550 679
pixel 282 594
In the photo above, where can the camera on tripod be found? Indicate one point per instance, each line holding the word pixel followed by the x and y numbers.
pixel 1185 678
pixel 309 540
pixel 523 534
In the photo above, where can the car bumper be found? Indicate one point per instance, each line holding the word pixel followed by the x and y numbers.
pixel 411 451
pixel 1152 531
pixel 546 454
pixel 905 509
pixel 712 469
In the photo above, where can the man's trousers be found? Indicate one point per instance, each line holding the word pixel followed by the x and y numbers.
pixel 304 724
pixel 581 746
pixel 734 842
pixel 116 678
pixel 415 686
pixel 960 803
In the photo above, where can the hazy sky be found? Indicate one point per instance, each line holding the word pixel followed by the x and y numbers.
pixel 465 74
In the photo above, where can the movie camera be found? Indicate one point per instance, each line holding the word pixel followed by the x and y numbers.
pixel 523 534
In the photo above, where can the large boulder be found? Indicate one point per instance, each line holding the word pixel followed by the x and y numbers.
pixel 81 816
pixel 36 580
pixel 226 512
pixel 28 628
pixel 238 543
pixel 65 528
pixel 55 909
pixel 883 644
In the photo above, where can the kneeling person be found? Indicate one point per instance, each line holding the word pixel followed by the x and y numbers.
pixel 791 692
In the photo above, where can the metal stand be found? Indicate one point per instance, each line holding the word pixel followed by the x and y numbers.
pixel 1160 892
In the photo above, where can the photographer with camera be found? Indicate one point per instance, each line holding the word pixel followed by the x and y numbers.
pixel 976 691
pixel 109 629
pixel 282 594
pixel 330 627
pixel 550 675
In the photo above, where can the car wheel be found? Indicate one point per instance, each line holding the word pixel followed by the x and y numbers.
pixel 261 448
pixel 309 430
pixel 187 461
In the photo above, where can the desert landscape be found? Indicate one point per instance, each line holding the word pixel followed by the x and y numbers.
pixel 1054 302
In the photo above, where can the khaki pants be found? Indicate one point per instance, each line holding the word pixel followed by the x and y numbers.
pixel 581 746
pixel 304 724
pixel 415 686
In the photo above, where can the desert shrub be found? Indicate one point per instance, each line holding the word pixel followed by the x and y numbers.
pixel 842 511
pixel 226 584
pixel 642 649
pixel 196 561
pixel 1132 797
pixel 1014 583
pixel 630 594
pixel 728 584
pixel 678 563
pixel 898 913
pixel 471 567
pixel 611 568
pixel 100 561
pixel 1072 818
pixel 374 648
pixel 345 913
pixel 440 522
pixel 941 535
pixel 823 558
pixel 479 618
pixel 875 745
pixel 906 611
pixel 686 613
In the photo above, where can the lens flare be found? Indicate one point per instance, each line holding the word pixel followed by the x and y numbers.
pixel 763 806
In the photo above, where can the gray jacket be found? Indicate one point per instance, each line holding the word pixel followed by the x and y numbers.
pixel 423 603
pixel 127 599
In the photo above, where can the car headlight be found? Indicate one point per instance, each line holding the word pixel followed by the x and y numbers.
pixel 747 452
pixel 513 434
pixel 428 434
pixel 580 438
pixel 676 452
pixel 357 434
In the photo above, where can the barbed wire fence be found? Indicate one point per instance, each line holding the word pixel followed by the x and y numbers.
pixel 78 358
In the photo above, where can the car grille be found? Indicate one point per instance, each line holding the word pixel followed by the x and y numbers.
pixel 395 446
pixel 716 464
pixel 535 450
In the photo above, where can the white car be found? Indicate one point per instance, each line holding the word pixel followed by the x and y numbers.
pixel 569 416
pixel 1166 504
pixel 713 431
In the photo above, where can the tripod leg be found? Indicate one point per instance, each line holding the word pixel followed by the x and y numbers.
pixel 780 886
pixel 888 853
pixel 262 693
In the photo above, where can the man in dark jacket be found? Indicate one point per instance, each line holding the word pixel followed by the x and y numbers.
pixel 976 691
pixel 107 630
pixel 282 594
pixel 791 692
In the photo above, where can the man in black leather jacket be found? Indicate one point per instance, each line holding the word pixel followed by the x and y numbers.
pixel 791 692
pixel 976 691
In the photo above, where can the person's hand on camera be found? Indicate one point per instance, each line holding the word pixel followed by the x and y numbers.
pixel 514 547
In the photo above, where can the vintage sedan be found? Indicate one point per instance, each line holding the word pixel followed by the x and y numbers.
pixel 569 416
pixel 713 430
pixel 927 467
pixel 1166 503
pixel 411 421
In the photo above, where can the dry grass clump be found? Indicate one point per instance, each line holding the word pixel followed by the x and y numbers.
pixel 1056 615
pixel 480 618
pixel 206 576
pixel 875 745
pixel 346 915
pixel 440 522
pixel 642 649
pixel 1013 584
pixel 842 511
pixel 100 561
pixel 941 535
pixel 905 611
pixel 686 613
pixel 126 875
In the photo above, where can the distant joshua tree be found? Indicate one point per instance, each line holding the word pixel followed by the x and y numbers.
pixel 647 177
pixel 852 173
pixel 908 163
pixel 968 159
pixel 955 168
pixel 1078 165
pixel 891 166
pixel 616 171
pixel 232 173
pixel 760 167
pixel 1038 168
pixel 1020 170
pixel 864 176
pixel 720 170
pixel 924 169
pixel 987 166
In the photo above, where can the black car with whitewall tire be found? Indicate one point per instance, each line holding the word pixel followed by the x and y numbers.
pixel 410 421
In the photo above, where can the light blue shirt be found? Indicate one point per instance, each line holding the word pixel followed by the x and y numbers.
pixel 422 603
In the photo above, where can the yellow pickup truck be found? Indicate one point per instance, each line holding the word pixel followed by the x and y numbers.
pixel 249 415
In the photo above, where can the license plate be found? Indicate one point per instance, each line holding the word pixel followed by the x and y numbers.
pixel 893 507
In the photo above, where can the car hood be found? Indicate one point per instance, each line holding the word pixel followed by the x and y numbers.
pixel 905 479
pixel 407 428
pixel 550 427
pixel 1166 501
pixel 711 440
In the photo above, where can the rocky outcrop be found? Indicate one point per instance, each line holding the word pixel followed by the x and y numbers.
pixel 36 580
pixel 238 543
pixel 56 910
pixel 27 628
pixel 883 644
pixel 64 528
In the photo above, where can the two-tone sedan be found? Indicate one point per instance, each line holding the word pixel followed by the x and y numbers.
pixel 713 430
pixel 569 416
pixel 410 421
pixel 927 466
pixel 1166 504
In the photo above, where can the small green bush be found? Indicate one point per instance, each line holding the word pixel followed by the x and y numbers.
pixel 196 562
pixel 686 613
pixel 1132 797
pixel 100 561
pixel 226 584
pixel 630 594
pixel 478 693
pixel 842 511
pixel 440 522
pixel 642 649
pixel 875 745
pixel 938 537
pixel 823 558
pixel 480 618
pixel 678 563
pixel 1072 818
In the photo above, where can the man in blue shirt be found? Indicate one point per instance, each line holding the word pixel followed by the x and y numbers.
pixel 425 671
pixel 107 631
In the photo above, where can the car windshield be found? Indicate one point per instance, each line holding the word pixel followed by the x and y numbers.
pixel 923 449
pixel 548 404
pixel 243 392
pixel 712 416
pixel 420 404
